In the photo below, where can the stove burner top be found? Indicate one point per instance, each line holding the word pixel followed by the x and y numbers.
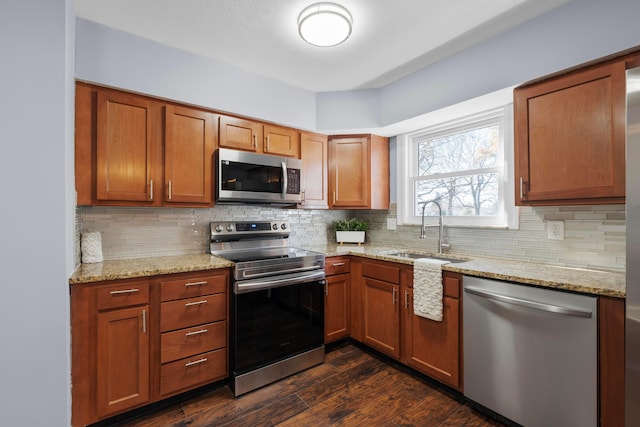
pixel 260 249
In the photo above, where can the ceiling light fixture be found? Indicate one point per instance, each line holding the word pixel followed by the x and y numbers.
pixel 324 24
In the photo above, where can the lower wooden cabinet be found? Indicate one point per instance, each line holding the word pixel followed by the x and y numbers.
pixel 337 323
pixel 187 373
pixel 384 314
pixel 122 360
pixel 381 307
pixel 137 341
pixel 431 347
pixel 193 328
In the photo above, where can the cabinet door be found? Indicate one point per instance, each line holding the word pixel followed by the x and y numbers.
pixel 281 141
pixel 433 347
pixel 125 147
pixel 381 316
pixel 336 308
pixel 570 138
pixel 122 360
pixel 188 154
pixel 239 134
pixel 349 172
pixel 314 171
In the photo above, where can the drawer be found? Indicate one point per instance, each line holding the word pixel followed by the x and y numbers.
pixel 189 312
pixel 193 287
pixel 382 272
pixel 189 372
pixel 187 342
pixel 334 266
pixel 122 295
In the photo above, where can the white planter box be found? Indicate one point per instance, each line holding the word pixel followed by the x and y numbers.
pixel 350 237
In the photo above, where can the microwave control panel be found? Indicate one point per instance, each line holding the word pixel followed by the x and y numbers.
pixel 293 178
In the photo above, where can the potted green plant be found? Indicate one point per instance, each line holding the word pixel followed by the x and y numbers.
pixel 351 230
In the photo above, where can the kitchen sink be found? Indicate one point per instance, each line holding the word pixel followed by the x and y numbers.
pixel 412 255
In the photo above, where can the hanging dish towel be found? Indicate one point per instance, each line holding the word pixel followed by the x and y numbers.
pixel 427 288
pixel 91 247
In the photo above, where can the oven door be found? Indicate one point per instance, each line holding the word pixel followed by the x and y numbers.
pixel 250 177
pixel 275 319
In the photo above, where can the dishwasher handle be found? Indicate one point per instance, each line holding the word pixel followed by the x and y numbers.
pixel 568 311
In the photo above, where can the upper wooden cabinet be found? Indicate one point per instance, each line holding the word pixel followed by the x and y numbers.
pixel 358 172
pixel 119 158
pixel 189 145
pixel 281 141
pixel 248 135
pixel 314 152
pixel 239 134
pixel 126 147
pixel 570 138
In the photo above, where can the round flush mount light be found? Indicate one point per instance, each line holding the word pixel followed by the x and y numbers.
pixel 324 24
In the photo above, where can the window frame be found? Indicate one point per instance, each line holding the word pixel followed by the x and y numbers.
pixel 407 149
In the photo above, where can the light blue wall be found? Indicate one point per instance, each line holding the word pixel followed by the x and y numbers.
pixel 577 32
pixel 36 119
pixel 123 60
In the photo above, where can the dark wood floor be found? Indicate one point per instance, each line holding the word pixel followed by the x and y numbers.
pixel 353 387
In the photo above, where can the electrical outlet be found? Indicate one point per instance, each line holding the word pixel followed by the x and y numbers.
pixel 555 230
pixel 391 224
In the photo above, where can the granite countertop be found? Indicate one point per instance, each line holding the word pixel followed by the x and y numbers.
pixel 141 267
pixel 594 282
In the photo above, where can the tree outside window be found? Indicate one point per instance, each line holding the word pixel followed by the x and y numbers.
pixel 460 170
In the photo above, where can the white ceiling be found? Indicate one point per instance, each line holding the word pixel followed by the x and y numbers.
pixel 390 38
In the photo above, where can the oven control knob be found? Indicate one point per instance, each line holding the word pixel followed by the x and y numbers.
pixel 229 227
pixel 283 226
pixel 218 228
pixel 274 226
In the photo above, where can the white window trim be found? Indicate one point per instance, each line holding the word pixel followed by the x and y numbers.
pixel 407 170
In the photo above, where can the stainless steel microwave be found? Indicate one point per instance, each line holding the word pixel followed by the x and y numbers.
pixel 257 178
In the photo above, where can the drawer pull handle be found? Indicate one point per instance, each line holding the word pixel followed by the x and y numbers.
pixel 201 331
pixel 338 264
pixel 195 362
pixel 190 304
pixel 124 291
pixel 195 283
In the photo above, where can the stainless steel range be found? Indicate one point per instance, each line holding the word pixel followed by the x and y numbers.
pixel 277 308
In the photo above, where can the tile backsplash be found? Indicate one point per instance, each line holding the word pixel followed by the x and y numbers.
pixel 147 232
pixel 594 235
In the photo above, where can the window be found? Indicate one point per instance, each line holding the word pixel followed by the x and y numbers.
pixel 462 166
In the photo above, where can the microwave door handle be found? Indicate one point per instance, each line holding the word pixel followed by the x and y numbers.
pixel 285 180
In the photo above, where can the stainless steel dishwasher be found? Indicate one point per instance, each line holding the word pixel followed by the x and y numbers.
pixel 530 354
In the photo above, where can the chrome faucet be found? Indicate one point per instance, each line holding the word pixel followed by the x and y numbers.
pixel 423 235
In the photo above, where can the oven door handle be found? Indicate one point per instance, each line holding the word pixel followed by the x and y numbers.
pixel 258 285
pixel 247 275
